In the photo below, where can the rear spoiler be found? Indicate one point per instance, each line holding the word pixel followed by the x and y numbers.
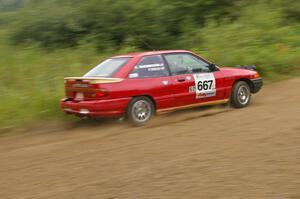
pixel 96 80
pixel 251 67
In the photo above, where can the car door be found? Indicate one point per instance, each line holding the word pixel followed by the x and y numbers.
pixel 151 77
pixel 192 80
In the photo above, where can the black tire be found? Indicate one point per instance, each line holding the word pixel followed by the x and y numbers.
pixel 240 95
pixel 140 110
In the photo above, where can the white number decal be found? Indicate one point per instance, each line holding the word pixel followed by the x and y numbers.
pixel 205 84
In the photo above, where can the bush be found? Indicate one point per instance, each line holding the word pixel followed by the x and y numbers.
pixel 259 36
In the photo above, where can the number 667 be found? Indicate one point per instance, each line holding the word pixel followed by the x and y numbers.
pixel 204 85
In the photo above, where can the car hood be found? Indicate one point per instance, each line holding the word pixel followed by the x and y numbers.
pixel 237 71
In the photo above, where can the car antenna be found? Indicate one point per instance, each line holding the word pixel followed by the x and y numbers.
pixel 148 45
pixel 142 40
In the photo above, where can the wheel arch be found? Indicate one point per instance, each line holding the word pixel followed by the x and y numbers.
pixel 148 96
pixel 248 81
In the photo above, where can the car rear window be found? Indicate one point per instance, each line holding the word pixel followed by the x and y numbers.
pixel 108 67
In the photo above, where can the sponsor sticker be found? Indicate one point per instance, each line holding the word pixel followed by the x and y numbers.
pixel 150 66
pixel 156 68
pixel 205 85
pixel 133 75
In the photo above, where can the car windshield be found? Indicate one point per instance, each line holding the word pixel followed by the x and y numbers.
pixel 108 67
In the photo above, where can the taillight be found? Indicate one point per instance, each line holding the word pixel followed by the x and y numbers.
pixel 100 93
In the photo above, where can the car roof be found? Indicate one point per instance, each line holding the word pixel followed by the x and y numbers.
pixel 140 54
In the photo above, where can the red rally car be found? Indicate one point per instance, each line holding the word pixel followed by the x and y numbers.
pixel 139 85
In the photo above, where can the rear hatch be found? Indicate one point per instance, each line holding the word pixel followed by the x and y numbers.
pixel 87 88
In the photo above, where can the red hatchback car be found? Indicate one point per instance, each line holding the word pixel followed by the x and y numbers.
pixel 138 85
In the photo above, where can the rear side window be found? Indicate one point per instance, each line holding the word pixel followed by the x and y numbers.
pixel 150 66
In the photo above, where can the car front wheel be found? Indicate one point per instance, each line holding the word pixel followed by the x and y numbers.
pixel 140 110
pixel 240 95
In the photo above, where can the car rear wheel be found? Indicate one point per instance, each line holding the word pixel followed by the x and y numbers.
pixel 140 110
pixel 240 95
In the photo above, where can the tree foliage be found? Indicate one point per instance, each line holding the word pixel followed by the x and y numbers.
pixel 113 24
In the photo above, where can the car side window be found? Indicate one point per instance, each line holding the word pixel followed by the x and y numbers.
pixel 184 63
pixel 150 66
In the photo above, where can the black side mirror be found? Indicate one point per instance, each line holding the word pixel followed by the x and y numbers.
pixel 212 67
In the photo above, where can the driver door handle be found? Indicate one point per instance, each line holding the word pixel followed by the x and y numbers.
pixel 181 79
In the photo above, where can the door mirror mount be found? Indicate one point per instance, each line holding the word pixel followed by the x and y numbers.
pixel 212 67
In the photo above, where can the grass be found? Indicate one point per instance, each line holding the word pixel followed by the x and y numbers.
pixel 31 78
pixel 31 81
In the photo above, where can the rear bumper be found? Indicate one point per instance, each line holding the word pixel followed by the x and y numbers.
pixel 256 84
pixel 95 108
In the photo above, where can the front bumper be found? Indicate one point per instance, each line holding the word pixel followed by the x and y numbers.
pixel 95 108
pixel 256 84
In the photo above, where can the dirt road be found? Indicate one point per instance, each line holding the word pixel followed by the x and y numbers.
pixel 217 153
